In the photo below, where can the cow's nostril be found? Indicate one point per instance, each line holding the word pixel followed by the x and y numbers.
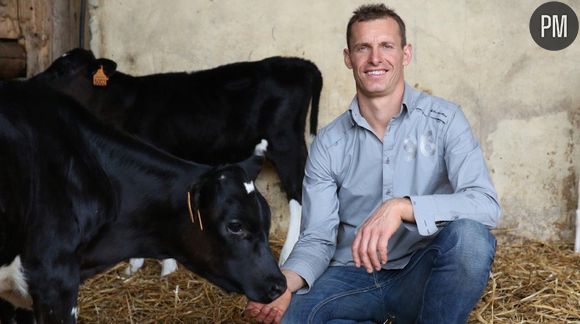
pixel 276 290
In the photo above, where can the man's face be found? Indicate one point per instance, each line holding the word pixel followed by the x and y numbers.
pixel 376 57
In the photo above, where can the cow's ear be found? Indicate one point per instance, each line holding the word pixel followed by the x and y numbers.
pixel 109 66
pixel 193 197
pixel 253 164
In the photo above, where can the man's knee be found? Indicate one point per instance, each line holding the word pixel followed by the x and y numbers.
pixel 473 243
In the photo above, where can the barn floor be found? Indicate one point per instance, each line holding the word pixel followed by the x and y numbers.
pixel 532 282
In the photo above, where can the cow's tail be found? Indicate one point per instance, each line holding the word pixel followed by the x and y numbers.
pixel 315 101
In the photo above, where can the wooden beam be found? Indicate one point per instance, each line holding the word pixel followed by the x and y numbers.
pixel 12 60
pixel 9 28
pixel 49 28
pixel 35 20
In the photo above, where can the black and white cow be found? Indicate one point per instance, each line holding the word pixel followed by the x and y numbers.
pixel 211 116
pixel 78 196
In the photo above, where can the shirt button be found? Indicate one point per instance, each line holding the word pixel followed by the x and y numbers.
pixel 387 160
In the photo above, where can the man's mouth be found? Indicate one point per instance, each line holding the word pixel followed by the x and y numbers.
pixel 376 72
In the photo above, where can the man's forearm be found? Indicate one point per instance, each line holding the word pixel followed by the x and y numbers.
pixel 293 280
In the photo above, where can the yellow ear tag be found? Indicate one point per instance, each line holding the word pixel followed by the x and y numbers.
pixel 100 78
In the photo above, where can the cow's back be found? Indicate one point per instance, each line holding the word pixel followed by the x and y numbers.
pixel 215 116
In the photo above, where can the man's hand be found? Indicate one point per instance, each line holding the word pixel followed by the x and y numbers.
pixel 273 312
pixel 370 243
pixel 269 313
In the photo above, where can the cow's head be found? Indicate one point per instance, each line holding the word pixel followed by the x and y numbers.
pixel 232 249
pixel 72 74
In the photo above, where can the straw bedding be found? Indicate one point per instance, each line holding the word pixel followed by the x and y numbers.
pixel 531 282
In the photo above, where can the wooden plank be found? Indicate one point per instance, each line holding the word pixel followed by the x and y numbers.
pixel 9 19
pixel 65 27
pixel 50 28
pixel 35 18
pixel 12 60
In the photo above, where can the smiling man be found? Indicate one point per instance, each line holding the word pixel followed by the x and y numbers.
pixel 398 201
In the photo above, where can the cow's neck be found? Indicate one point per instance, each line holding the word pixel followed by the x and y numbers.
pixel 150 188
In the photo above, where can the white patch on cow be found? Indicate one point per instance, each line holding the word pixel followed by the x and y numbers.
pixel 261 148
pixel 13 287
pixel 168 266
pixel 222 177
pixel 249 186
pixel 293 230
pixel 134 266
pixel 75 313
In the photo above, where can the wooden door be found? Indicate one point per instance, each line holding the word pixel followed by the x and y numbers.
pixel 35 32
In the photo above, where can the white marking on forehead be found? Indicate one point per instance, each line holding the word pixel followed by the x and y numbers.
pixel 13 287
pixel 222 177
pixel 249 186
pixel 75 312
pixel 261 148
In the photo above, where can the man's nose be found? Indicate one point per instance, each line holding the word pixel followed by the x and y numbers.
pixel 375 57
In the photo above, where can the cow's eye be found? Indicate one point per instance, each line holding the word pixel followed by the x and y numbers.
pixel 235 227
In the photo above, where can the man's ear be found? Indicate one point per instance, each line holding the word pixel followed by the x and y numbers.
pixel 253 164
pixel 347 61
pixel 407 54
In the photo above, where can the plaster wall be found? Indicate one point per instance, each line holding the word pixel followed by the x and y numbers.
pixel 522 101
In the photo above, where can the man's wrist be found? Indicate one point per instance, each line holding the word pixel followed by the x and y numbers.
pixel 406 206
pixel 293 280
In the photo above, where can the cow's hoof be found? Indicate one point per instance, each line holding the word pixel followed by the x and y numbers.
pixel 168 266
pixel 134 266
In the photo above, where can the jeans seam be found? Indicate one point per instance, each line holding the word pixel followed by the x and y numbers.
pixel 337 296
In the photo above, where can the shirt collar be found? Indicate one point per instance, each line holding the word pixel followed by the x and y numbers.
pixel 410 96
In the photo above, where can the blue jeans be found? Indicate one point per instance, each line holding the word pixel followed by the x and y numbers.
pixel 441 284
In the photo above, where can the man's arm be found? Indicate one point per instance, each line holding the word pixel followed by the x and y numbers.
pixel 317 243
pixel 319 225
pixel 369 247
pixel 474 195
pixel 293 280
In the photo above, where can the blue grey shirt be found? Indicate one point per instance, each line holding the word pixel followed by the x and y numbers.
pixel 428 153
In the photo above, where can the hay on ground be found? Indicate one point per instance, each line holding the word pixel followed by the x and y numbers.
pixel 531 282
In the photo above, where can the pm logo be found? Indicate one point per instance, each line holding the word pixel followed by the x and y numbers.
pixel 554 26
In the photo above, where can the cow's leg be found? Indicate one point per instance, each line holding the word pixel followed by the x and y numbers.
pixel 134 265
pixel 289 157
pixel 23 316
pixel 168 266
pixel 10 314
pixel 293 230
pixel 54 289
pixel 7 312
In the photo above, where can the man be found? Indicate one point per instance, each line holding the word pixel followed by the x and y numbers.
pixel 397 199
